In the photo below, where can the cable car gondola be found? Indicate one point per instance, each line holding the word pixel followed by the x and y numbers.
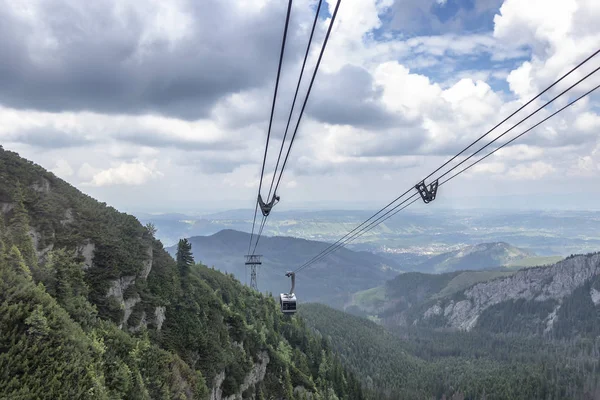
pixel 287 301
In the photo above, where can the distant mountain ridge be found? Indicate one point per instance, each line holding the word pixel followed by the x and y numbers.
pixel 475 257
pixel 411 233
pixel 330 280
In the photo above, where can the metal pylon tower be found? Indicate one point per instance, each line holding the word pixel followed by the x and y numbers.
pixel 252 261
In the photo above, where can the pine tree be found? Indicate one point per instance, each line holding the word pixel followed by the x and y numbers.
pixel 17 263
pixel 185 259
pixel 2 236
pixel 19 229
pixel 37 322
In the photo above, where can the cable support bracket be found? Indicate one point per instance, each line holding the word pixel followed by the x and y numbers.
pixel 427 193
pixel 265 208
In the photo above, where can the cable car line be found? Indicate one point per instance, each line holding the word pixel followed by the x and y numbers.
pixel 289 118
pixel 324 45
pixel 337 244
pixel 383 218
pixel 519 109
pixel 500 147
pixel 312 81
pixel 262 225
pixel 285 30
pixel 523 120
pixel 521 134
pixel 469 146
pixel 295 95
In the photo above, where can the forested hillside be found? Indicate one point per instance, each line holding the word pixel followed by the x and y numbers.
pixel 92 306
pixel 412 363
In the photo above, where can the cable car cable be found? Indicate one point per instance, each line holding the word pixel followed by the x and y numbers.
pixel 332 248
pixel 295 95
pixel 521 134
pixel 469 146
pixel 289 117
pixel 326 40
pixel 519 109
pixel 504 145
pixel 285 30
pixel 312 81
pixel 452 177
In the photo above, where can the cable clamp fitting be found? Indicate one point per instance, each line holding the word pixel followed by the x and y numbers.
pixel 265 208
pixel 427 194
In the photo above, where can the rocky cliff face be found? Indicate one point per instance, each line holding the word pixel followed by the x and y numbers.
pixel 538 284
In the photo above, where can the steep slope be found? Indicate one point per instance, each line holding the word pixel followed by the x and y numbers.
pixel 92 306
pixel 425 364
pixel 328 281
pixel 480 256
pixel 561 300
pixel 397 296
pixel 549 300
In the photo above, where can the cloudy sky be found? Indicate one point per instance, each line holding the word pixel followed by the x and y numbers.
pixel 164 105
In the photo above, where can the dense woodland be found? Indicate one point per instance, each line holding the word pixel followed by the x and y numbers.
pixel 429 364
pixel 62 337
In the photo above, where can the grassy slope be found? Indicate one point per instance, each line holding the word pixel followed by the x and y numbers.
pixel 534 261
pixel 469 278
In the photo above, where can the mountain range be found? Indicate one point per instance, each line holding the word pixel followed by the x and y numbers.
pixel 408 236
pixel 329 281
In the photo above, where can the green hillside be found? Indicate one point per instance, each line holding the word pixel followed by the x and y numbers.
pixel 93 307
pixel 534 261
pixel 468 278
pixel 399 294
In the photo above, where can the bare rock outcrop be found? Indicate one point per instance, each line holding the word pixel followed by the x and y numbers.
pixel 87 251
pixel 537 284
pixel 256 375
pixel 41 186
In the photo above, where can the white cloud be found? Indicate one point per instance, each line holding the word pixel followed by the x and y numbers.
pixel 587 164
pixel 62 169
pixel 86 172
pixel 560 32
pixel 488 168
pixel 520 152
pixel 530 171
pixel 588 122
pixel 433 116
pixel 134 174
